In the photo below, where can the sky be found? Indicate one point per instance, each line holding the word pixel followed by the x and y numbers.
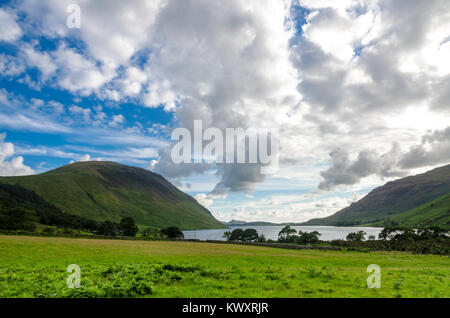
pixel 359 90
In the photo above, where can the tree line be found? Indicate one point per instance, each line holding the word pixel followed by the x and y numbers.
pixel 431 240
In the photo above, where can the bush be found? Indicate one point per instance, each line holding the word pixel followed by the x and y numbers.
pixel 49 230
pixel 151 233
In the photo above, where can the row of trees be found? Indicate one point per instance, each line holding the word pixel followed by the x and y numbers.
pixel 286 235
pixel 422 241
pixel 408 234
pixel 290 235
pixel 401 234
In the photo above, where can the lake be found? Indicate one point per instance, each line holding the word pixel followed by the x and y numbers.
pixel 271 232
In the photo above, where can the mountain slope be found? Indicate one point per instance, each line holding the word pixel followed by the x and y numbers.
pixel 392 199
pixel 434 213
pixel 23 209
pixel 109 191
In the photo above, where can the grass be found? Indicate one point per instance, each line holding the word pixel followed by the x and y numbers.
pixel 36 267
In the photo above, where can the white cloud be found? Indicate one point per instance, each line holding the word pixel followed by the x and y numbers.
pixel 10 29
pixel 11 66
pixel 117 120
pixel 204 199
pixel 41 60
pixel 152 164
pixel 84 158
pixel 283 208
pixel 11 166
pixel 131 85
pixel 78 74
pixel 85 113
pixel 87 157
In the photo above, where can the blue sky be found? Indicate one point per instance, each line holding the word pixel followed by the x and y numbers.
pixel 358 100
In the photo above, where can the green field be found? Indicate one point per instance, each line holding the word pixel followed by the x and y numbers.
pixel 36 267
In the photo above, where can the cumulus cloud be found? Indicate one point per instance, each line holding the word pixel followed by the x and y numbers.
pixel 10 29
pixel 237 178
pixel 238 71
pixel 9 165
pixel 10 66
pixel 432 150
pixel 344 171
pixel 40 60
pixel 117 120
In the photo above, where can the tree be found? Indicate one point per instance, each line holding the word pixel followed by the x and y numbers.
pixel 398 234
pixel 431 233
pixel 356 236
pixel 227 235
pixel 261 238
pixel 236 235
pixel 249 235
pixel 108 228
pixel 386 233
pixel 287 234
pixel 371 237
pixel 239 235
pixel 308 238
pixel 173 232
pixel 128 227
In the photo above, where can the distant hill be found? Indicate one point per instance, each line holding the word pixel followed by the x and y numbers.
pixel 109 191
pixel 257 223
pixel 406 201
pixel 243 223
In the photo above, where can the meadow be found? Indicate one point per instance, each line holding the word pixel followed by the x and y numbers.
pixel 36 267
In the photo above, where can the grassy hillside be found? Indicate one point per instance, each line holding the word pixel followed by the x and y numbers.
pixel 434 213
pixel 36 267
pixel 109 191
pixel 392 199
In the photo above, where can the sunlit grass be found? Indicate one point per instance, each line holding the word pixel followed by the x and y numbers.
pixel 36 267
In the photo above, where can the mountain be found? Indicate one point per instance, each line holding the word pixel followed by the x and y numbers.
pixel 109 191
pixel 406 201
pixel 258 223
pixel 244 223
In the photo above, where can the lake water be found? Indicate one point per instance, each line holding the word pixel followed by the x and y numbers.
pixel 271 232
